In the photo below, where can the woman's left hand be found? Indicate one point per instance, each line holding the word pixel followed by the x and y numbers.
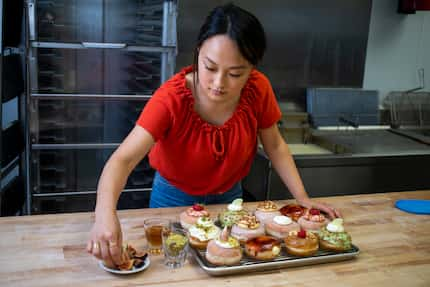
pixel 327 208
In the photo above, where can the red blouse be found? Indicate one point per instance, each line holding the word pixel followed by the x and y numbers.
pixel 197 157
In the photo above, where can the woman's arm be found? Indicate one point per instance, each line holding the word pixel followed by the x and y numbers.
pixel 119 166
pixel 106 238
pixel 278 152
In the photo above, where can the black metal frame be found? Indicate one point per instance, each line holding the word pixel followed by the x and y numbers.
pixel 12 85
pixel 167 51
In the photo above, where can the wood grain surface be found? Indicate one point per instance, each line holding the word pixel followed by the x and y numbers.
pixel 49 250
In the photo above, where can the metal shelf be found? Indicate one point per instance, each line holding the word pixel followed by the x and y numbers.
pixel 91 71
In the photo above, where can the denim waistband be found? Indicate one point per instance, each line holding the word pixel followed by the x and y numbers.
pixel 164 194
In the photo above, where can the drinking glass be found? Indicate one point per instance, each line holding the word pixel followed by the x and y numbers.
pixel 153 230
pixel 175 246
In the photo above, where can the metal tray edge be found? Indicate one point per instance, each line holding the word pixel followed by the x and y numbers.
pixel 272 265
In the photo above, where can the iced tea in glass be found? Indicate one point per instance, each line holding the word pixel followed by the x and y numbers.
pixel 153 229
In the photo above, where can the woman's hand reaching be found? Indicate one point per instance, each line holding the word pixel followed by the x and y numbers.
pixel 105 241
pixel 330 210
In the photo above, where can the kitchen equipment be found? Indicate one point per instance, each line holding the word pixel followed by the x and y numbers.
pixel 92 66
pixel 294 127
pixel 409 110
pixel 342 106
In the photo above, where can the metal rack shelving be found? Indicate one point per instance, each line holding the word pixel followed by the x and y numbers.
pixel 92 66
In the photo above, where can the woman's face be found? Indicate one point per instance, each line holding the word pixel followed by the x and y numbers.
pixel 223 71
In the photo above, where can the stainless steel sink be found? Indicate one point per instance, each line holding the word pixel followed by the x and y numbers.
pixel 420 135
pixel 314 145
pixel 328 144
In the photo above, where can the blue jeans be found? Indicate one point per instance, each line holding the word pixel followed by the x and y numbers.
pixel 166 195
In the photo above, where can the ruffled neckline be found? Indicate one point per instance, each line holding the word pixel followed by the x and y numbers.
pixel 189 97
pixel 217 132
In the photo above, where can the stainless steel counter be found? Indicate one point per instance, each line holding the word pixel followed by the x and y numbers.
pixel 359 161
pixel 370 142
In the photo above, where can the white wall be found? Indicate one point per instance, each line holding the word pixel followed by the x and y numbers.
pixel 398 46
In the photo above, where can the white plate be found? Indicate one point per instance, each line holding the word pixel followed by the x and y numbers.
pixel 124 272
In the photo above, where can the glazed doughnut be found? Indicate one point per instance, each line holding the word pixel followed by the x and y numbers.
pixel 247 228
pixel 224 250
pixel 293 211
pixel 312 220
pixel 263 247
pixel 266 210
pixel 301 243
pixel 280 226
pixel 200 233
pixel 190 216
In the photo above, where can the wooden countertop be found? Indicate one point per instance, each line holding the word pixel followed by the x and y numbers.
pixel 49 250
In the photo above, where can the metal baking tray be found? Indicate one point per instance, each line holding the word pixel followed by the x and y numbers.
pixel 283 260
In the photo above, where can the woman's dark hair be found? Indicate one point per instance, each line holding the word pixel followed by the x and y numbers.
pixel 240 25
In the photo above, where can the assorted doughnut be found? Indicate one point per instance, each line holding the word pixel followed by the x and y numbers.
pixel 333 237
pixel 293 211
pixel 248 227
pixel 202 232
pixel 301 243
pixel 190 216
pixel 263 233
pixel 233 213
pixel 224 250
pixel 263 247
pixel 312 220
pixel 280 226
pixel 266 210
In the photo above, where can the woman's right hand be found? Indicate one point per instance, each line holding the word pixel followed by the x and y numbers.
pixel 105 241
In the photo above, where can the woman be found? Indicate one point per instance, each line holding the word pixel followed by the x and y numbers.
pixel 201 128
